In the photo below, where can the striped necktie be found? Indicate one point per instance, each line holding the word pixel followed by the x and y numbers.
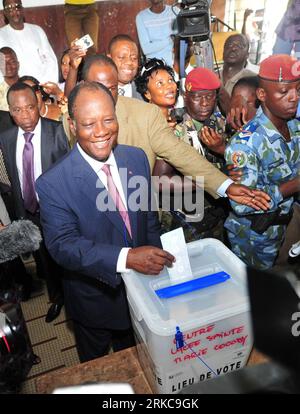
pixel 115 195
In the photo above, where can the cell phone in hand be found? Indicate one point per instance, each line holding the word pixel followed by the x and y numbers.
pixel 210 123
pixel 84 42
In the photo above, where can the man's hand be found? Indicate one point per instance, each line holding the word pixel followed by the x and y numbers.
pixel 51 88
pixel 247 13
pixel 234 172
pixel 256 199
pixel 238 114
pixel 76 54
pixel 214 141
pixel 148 260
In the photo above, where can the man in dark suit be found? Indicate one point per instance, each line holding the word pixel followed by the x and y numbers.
pixel 29 149
pixel 94 241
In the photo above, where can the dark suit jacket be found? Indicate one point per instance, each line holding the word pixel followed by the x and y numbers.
pixel 87 241
pixel 6 122
pixel 54 145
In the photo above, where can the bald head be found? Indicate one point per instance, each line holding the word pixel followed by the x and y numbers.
pixel 102 69
pixel 89 87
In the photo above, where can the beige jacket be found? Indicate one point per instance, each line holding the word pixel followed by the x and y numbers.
pixel 143 125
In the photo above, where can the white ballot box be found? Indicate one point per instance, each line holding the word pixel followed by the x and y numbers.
pixel 192 330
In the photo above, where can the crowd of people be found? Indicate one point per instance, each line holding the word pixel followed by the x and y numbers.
pixel 67 130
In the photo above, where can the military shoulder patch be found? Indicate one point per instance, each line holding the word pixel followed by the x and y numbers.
pixel 239 158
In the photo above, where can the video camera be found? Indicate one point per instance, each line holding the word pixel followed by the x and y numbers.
pixel 194 19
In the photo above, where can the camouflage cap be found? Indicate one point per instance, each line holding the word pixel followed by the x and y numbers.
pixel 280 68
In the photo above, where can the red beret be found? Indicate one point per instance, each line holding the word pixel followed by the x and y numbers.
pixel 280 68
pixel 202 79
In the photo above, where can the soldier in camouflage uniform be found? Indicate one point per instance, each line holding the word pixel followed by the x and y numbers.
pixel 268 150
pixel 202 115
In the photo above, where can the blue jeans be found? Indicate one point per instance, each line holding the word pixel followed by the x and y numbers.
pixel 285 47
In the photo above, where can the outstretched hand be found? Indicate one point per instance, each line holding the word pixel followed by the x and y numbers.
pixel 257 199
pixel 149 260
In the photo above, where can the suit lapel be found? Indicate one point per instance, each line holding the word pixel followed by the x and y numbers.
pixel 92 188
pixel 10 153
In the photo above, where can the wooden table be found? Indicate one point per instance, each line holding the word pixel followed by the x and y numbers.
pixel 118 367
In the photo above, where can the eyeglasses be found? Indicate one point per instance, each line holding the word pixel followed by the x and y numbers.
pixel 10 7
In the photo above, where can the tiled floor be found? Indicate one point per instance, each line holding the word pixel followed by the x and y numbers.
pixel 53 342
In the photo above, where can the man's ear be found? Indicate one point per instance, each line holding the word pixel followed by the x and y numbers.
pixel 261 94
pixel 72 125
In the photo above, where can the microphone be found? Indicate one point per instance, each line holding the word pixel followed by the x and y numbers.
pixel 19 237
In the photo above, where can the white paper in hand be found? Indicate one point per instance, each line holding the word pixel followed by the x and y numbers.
pixel 174 243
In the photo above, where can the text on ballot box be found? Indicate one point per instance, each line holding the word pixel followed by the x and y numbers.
pixel 192 330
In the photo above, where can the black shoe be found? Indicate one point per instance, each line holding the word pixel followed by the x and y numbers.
pixel 53 312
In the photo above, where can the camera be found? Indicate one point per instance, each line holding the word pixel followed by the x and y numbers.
pixel 194 19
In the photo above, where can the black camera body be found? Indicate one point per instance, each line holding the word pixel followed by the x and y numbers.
pixel 194 19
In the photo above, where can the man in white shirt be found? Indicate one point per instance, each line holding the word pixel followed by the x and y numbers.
pixel 93 240
pixel 9 67
pixel 30 42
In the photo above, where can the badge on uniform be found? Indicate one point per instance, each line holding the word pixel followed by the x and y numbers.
pixel 188 86
pixel 239 158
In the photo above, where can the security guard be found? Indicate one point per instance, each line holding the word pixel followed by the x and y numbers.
pixel 268 150
pixel 203 127
pixel 200 99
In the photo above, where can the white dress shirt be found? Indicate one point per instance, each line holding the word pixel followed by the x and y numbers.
pixel 37 155
pixel 97 167
pixel 33 50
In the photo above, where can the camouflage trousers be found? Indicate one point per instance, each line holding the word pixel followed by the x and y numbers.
pixel 257 250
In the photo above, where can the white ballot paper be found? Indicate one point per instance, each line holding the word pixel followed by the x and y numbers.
pixel 174 243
